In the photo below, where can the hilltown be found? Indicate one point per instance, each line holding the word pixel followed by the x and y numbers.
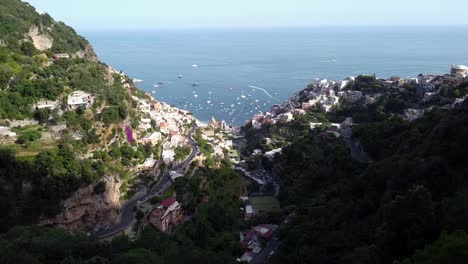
pixel 326 95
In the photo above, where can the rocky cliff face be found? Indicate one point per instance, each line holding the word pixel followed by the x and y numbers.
pixel 89 208
pixel 41 41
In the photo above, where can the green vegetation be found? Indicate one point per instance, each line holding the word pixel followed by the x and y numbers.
pixel 365 83
pixel 265 204
pixel 17 19
pixel 449 248
pixel 211 236
pixel 52 175
pixel 204 146
pixel 27 134
pixel 350 212
pixel 182 152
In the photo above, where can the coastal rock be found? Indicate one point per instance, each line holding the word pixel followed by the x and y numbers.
pixel 88 54
pixel 41 41
pixel 89 209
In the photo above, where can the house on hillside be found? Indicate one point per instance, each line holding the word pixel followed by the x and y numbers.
pixel 149 165
pixel 152 138
pixel 46 104
pixel 58 56
pixel 79 99
pixel 167 215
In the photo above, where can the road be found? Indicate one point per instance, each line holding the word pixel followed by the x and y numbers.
pixel 272 244
pixel 127 210
pixel 269 249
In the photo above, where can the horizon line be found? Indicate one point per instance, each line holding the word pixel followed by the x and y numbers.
pixel 268 27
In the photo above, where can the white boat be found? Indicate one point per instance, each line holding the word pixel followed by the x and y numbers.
pixel 243 96
pixel 195 65
pixel 137 80
pixel 180 76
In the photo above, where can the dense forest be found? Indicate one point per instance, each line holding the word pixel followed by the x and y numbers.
pixel 408 205
pixel 211 236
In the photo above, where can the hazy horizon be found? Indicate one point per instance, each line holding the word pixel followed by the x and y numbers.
pixel 138 15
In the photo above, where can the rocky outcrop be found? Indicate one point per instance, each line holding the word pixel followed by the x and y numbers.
pixel 41 41
pixel 88 53
pixel 90 208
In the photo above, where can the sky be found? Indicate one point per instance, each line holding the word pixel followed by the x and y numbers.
pixel 98 15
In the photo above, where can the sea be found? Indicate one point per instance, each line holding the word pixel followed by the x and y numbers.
pixel 232 74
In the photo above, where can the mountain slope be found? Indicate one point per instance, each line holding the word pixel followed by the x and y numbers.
pixel 59 106
pixel 352 212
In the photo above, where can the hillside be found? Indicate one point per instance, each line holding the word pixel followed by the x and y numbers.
pixel 82 147
pixel 62 120
pixel 368 184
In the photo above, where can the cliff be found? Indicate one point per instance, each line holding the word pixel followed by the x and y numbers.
pixel 89 208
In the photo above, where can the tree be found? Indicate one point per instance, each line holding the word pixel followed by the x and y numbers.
pixel 28 49
pixel 43 115
pixel 449 248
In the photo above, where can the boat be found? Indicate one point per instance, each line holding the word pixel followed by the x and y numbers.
pixel 156 86
pixel 243 96
pixel 195 84
pixel 194 65
pixel 180 76
pixel 137 80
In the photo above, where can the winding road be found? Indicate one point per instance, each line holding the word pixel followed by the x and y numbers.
pixel 127 210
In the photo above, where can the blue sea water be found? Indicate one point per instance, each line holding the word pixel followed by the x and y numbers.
pixel 280 61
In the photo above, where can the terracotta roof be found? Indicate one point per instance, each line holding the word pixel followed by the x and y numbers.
pixel 168 202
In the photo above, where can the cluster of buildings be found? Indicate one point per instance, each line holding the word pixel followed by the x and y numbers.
pixel 252 241
pixel 166 215
pixel 215 133
pixel 325 94
pixel 75 100
pixel 162 125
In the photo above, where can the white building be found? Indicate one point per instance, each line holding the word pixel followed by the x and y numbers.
pixel 257 152
pixel 256 124
pixel 174 175
pixel 152 138
pixel 61 56
pixel 142 104
pixel 286 117
pixel 79 99
pixel 46 104
pixel 149 164
pixel 177 140
pixel 168 156
pixel 459 71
